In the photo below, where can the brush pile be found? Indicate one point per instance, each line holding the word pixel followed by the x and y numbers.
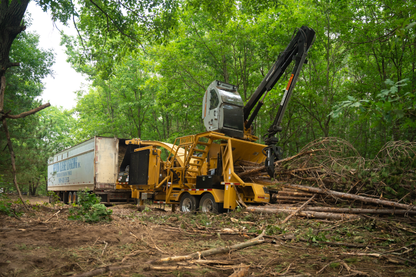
pixel 333 169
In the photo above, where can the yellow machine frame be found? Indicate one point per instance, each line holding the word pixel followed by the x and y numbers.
pixel 192 156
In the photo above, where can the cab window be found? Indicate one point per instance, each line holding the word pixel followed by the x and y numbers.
pixel 214 101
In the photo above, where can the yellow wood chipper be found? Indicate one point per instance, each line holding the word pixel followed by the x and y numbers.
pixel 197 172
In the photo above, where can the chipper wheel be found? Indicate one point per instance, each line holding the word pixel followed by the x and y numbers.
pixel 188 203
pixel 208 204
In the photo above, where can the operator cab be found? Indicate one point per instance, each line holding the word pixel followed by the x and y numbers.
pixel 223 109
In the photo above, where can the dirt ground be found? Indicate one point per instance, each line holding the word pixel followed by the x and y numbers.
pixel 43 242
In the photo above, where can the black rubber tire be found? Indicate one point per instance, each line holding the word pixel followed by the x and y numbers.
pixel 65 197
pixel 188 203
pixel 208 204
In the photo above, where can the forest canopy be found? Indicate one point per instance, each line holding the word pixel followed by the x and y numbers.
pixel 150 63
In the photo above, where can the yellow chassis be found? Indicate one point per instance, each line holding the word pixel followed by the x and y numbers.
pixel 193 156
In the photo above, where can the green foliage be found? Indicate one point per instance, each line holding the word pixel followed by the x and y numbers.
pixel 54 198
pixel 110 30
pixel 89 208
pixel 129 101
pixel 6 206
pixel 390 106
pixel 35 139
pixel 146 209
pixel 150 62
pixel 155 91
pixel 393 110
pixel 313 236
pixel 274 230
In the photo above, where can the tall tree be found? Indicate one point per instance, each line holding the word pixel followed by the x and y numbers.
pixel 106 17
pixel 23 89
pixel 11 25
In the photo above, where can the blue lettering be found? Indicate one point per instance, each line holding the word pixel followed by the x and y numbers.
pixel 63 180
pixel 67 165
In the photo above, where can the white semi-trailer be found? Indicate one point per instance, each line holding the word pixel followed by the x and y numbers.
pixel 92 164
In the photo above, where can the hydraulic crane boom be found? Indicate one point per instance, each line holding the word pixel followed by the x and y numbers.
pixel 297 51
pixel 224 110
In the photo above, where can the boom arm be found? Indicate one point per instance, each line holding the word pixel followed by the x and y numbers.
pixel 297 50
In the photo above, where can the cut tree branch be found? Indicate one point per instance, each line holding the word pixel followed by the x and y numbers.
pixel 211 252
pixel 24 114
pixel 298 210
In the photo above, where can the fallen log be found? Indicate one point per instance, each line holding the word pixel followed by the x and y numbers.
pixel 290 189
pixel 361 211
pixel 352 196
pixel 309 214
pixel 351 210
pixel 282 197
pixel 295 193
pixel 257 240
pixel 287 202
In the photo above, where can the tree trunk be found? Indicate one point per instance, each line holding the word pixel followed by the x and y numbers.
pixel 9 144
pixel 11 15
pixel 33 186
pixel 11 24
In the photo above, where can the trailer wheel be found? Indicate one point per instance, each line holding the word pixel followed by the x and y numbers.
pixel 65 197
pixel 208 204
pixel 188 203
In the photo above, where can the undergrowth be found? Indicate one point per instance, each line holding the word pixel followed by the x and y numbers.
pixel 6 206
pixel 89 208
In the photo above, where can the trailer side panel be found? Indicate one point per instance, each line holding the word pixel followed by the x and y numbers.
pixel 72 169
